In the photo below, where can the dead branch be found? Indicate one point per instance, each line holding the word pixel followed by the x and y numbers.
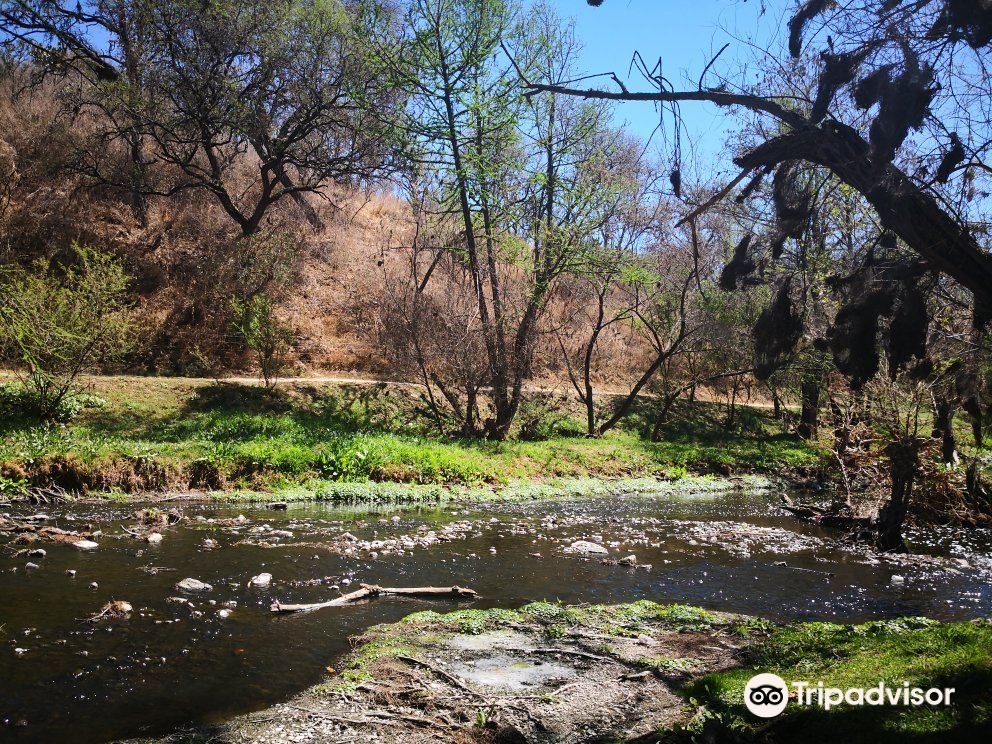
pixel 369 591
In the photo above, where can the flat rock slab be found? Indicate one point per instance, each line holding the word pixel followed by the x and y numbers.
pixel 505 639
pixel 511 673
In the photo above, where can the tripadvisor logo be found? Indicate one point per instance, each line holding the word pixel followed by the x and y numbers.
pixel 766 695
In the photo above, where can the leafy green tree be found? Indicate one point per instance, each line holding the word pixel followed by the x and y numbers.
pixel 57 322
pixel 256 325
pixel 526 180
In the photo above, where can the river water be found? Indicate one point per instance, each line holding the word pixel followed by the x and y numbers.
pixel 173 664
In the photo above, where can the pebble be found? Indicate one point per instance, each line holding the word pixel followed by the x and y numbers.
pixel 94 585
pixel 262 580
pixel 154 538
pixel 37 553
pixel 31 566
pixel 70 572
pixel 193 585
pixel 85 545
pixel 584 546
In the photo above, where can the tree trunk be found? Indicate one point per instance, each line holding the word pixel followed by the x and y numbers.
pixel 944 428
pixel 904 461
pixel 809 418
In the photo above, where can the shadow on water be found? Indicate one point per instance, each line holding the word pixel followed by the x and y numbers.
pixel 170 666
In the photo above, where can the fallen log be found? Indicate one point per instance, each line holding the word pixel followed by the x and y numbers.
pixel 368 591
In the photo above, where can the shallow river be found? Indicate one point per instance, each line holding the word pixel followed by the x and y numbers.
pixel 171 664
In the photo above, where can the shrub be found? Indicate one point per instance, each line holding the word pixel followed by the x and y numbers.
pixel 255 324
pixel 58 321
pixel 18 399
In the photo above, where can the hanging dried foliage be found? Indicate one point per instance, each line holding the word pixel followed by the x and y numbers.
pixel 751 186
pixel 838 70
pixel 776 333
pixel 951 160
pixel 854 335
pixel 964 20
pixel 908 329
pixel 869 90
pixel 793 205
pixel 740 266
pixel 905 104
pixel 797 24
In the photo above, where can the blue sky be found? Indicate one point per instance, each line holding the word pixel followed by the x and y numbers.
pixel 685 34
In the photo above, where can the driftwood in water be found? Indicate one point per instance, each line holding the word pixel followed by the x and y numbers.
pixel 371 590
pixel 823 517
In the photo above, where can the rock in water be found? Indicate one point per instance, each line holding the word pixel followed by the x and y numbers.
pixel 587 548
pixel 262 580
pixel 630 560
pixel 154 538
pixel 86 545
pixel 193 585
pixel 278 505
pixel 37 553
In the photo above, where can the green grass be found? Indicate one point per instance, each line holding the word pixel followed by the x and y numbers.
pixel 155 434
pixel 922 652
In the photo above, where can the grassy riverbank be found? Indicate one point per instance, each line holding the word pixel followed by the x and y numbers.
pixel 158 435
pixel 642 671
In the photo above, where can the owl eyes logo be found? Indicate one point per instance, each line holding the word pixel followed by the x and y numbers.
pixel 766 695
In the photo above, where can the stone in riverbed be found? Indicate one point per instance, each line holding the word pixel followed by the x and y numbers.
pixel 193 585
pixel 630 560
pixel 37 553
pixel 587 548
pixel 154 538
pixel 262 580
pixel 278 505
pixel 85 545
